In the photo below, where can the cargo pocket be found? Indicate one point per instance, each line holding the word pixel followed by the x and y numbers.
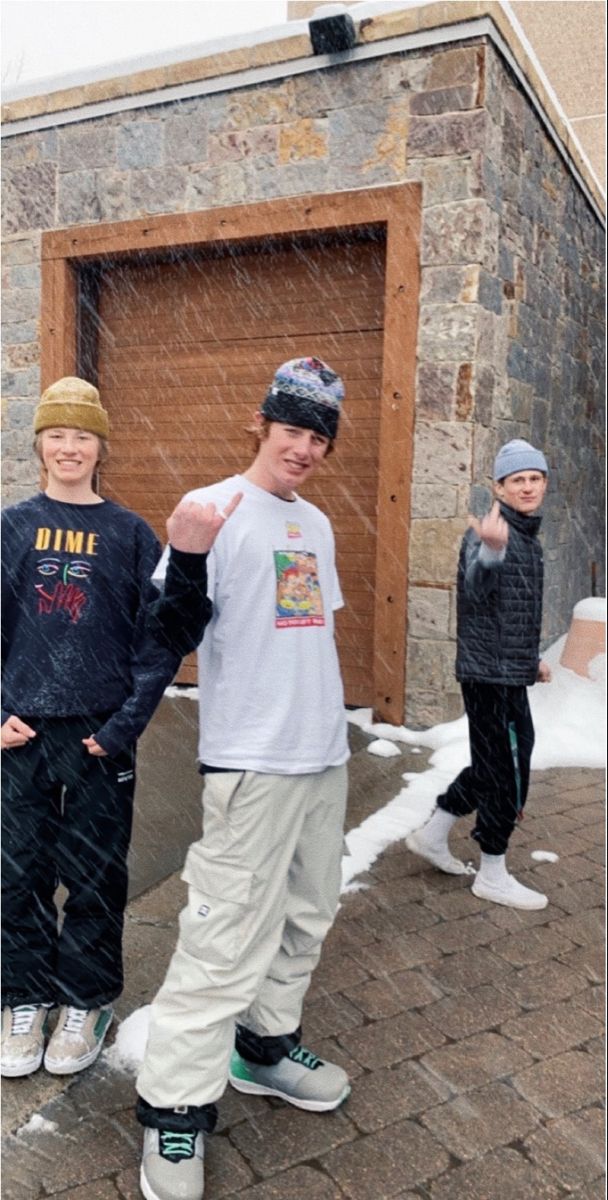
pixel 215 923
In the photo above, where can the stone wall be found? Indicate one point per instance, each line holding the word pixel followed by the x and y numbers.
pixel 511 344
pixel 511 305
pixel 548 339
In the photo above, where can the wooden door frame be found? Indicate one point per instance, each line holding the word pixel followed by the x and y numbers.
pixel 396 210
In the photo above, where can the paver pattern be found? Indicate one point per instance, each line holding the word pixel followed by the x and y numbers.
pixel 472 1034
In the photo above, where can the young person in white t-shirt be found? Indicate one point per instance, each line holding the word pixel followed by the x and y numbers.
pixel 264 879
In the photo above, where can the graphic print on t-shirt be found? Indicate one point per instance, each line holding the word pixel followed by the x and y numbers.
pixel 60 589
pixel 299 599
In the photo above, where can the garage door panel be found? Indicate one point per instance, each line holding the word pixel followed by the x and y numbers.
pixel 186 352
pixel 230 364
pixel 204 370
pixel 162 405
pixel 135 476
pixel 299 319
pixel 351 586
pixel 213 369
pixel 354 490
pixel 202 441
pixel 203 422
pixel 288 272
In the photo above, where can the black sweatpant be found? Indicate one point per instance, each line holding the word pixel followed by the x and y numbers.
pixel 66 818
pixel 501 737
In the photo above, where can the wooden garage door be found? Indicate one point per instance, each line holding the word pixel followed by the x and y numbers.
pixel 187 349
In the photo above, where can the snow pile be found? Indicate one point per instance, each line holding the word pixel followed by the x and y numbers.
pixel 569 715
pixel 176 691
pixel 383 749
pixel 129 1048
pixel 37 1124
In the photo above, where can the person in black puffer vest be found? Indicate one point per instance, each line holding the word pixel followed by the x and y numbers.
pixel 499 593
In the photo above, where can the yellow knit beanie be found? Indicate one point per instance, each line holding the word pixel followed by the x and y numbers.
pixel 73 404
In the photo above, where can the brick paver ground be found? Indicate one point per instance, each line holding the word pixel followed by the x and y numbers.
pixel 472 1034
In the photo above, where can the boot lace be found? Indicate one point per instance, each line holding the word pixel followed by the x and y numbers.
pixel 176 1146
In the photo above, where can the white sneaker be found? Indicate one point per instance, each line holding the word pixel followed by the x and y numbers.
pixel 436 853
pixel 24 1029
pixel 508 891
pixel 78 1039
pixel 172 1165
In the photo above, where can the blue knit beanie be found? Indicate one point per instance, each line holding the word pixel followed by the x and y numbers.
pixel 518 456
pixel 305 392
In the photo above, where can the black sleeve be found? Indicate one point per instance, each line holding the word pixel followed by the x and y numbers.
pixel 178 617
pixel 152 671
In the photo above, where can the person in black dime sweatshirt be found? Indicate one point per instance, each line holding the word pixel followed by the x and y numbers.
pixel 88 647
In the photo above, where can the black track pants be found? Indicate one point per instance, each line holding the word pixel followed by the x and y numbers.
pixel 501 736
pixel 66 818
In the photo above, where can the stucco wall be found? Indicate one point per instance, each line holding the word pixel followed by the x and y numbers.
pixel 511 302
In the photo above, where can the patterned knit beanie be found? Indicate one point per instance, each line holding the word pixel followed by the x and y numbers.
pixel 306 392
pixel 72 403
pixel 518 456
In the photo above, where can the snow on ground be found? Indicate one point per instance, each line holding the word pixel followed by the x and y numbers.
pixel 383 748
pixel 569 719
pixel 127 1052
pixel 183 693
pixel 37 1124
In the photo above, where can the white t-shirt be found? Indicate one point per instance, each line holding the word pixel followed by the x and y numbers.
pixel 271 697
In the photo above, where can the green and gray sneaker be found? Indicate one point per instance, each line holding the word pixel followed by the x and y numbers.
pixel 172 1165
pixel 24 1029
pixel 299 1077
pixel 78 1039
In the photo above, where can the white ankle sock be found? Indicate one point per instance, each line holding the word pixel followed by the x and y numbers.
pixel 493 867
pixel 437 829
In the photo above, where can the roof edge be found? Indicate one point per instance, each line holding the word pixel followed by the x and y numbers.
pixel 284 50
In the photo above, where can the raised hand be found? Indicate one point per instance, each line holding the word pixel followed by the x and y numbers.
pixel 491 529
pixel 194 527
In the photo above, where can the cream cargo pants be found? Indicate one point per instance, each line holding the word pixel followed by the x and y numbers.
pixel 264 882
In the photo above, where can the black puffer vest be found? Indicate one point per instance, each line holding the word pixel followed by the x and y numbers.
pixel 500 607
